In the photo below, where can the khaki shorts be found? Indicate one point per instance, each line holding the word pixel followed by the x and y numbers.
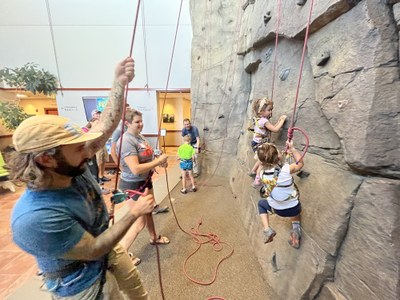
pixel 102 156
pixel 122 279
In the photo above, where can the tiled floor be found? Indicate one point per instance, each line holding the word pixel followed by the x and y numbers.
pixel 16 266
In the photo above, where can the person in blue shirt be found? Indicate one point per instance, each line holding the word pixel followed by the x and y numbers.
pixel 195 143
pixel 61 219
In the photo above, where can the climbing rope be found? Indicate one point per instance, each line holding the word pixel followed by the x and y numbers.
pixel 145 46
pixel 292 128
pixel 201 239
pixel 278 22
pixel 169 72
pixel 120 148
pixel 124 107
pixel 195 233
pixel 54 44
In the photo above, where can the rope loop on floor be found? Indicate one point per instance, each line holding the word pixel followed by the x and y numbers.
pixel 202 239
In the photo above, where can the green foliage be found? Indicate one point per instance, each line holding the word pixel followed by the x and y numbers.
pixel 30 78
pixel 11 115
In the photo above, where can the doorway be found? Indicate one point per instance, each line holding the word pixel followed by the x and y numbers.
pixel 177 107
pixel 51 111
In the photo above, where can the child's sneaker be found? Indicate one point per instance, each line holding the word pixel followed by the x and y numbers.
pixel 256 183
pixel 252 174
pixel 194 189
pixel 183 191
pixel 295 236
pixel 269 235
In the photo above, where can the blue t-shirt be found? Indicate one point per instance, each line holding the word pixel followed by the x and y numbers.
pixel 49 223
pixel 194 134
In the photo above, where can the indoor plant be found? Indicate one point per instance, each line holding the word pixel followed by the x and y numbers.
pixel 30 78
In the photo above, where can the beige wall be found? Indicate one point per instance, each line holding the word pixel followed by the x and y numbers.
pixel 34 105
pixel 38 105
pixel 179 105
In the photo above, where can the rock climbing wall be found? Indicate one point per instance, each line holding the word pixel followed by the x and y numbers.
pixel 348 103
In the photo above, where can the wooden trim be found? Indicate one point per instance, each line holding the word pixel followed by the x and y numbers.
pixel 5 136
pixel 174 130
pixel 146 135
pixel 150 135
pixel 161 90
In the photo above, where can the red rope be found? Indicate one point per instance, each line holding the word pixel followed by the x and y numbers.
pixel 292 128
pixel 54 45
pixel 126 97
pixel 212 238
pixel 169 74
pixel 217 245
pixel 301 64
pixel 278 22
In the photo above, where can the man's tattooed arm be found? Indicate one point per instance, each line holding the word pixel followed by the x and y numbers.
pixel 111 115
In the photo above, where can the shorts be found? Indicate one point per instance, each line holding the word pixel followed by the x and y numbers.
pixel 102 156
pixel 186 165
pixel 254 146
pixel 139 186
pixel 264 207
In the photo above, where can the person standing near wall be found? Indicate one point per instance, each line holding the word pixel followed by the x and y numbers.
pixel 102 154
pixel 195 143
pixel 62 218
pixel 138 163
pixel 115 137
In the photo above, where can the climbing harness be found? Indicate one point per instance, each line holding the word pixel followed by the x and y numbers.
pixel 269 184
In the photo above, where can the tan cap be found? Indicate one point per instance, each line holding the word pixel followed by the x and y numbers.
pixel 45 132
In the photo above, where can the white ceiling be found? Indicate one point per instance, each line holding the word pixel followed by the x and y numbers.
pixel 92 35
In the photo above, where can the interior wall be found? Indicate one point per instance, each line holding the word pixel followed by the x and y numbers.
pixel 37 106
pixel 89 42
pixel 178 105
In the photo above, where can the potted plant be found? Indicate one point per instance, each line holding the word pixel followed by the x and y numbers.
pixel 11 115
pixel 30 78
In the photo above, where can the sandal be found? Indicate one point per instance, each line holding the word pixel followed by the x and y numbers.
pixel 158 209
pixel 269 235
pixel 161 240
pixel 136 260
pixel 295 237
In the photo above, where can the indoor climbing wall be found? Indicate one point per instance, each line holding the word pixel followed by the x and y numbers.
pixel 348 104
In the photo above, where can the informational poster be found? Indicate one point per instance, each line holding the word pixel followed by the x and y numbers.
pixel 101 103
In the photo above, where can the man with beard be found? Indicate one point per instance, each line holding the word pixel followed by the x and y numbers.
pixel 61 218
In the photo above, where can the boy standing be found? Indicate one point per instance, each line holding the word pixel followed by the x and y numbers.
pixel 186 154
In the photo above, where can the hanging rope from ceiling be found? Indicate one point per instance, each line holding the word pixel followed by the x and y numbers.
pixel 292 128
pixel 145 45
pixel 278 22
pixel 54 45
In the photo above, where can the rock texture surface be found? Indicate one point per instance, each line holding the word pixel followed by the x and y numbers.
pixel 348 103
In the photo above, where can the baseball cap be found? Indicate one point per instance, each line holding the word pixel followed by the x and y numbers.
pixel 39 133
pixel 95 111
